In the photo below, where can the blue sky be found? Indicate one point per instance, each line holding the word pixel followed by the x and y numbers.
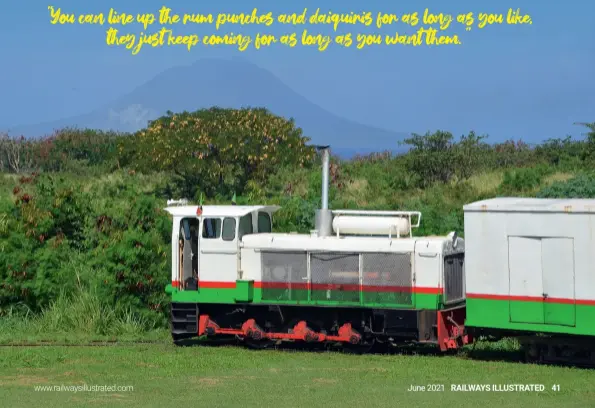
pixel 529 82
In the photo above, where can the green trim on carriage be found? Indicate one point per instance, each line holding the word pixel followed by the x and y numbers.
pixel 531 315
pixel 245 292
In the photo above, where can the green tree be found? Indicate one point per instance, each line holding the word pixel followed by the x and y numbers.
pixel 430 157
pixel 590 147
pixel 436 157
pixel 561 151
pixel 218 150
pixel 73 149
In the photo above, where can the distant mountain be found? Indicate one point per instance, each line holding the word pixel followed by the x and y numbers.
pixel 227 83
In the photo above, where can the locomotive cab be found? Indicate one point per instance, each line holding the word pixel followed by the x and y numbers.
pixel 206 244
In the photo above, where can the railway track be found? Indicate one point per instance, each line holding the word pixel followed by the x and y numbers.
pixel 108 343
pixel 88 344
pixel 561 353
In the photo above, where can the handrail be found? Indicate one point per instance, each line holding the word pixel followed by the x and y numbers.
pixel 182 201
pixel 407 214
pixel 381 213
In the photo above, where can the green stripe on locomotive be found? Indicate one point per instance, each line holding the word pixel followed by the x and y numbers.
pixel 246 292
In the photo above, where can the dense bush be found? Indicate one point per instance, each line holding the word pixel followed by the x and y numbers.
pixel 582 186
pixel 42 226
pixel 436 157
pixel 562 152
pixel 73 150
pixel 524 179
pixel 83 147
pixel 56 233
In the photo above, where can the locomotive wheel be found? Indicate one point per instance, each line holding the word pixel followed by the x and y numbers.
pixel 315 326
pixel 256 344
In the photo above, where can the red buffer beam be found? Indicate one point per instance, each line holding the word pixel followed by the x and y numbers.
pixel 451 329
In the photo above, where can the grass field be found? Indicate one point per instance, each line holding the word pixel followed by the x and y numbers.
pixel 163 375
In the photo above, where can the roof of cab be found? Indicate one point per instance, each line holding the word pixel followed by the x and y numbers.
pixel 219 210
pixel 522 204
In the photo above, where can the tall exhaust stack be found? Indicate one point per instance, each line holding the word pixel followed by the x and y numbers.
pixel 324 216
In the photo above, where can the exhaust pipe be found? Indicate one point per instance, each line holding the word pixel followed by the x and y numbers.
pixel 324 217
pixel 325 182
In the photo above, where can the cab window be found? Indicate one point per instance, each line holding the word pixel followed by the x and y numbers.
pixel 211 228
pixel 245 226
pixel 264 222
pixel 229 229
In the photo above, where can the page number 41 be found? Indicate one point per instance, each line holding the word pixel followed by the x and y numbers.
pixel 556 387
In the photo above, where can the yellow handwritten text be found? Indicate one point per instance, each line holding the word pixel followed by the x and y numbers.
pixel 344 40
pixel 145 19
pixel 466 19
pixel 383 19
pixel 57 17
pixel 443 20
pixel 515 17
pixel 368 39
pixel 115 18
pixel 264 40
pixel 321 41
pixel 321 28
pixel 113 38
pixel 411 19
pixel 427 36
pixel 364 18
pixel 98 19
pixel 289 40
pixel 485 19
pixel 197 19
pixel 239 40
pixel 294 18
pixel 166 18
pixel 163 37
pixel 243 19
